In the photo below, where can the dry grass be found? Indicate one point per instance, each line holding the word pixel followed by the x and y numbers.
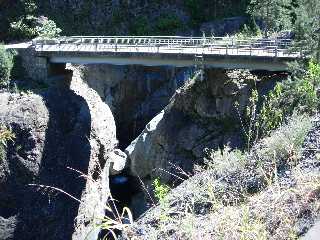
pixel 263 194
pixel 6 135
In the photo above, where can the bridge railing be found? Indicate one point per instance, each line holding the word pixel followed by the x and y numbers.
pixel 164 40
pixel 182 44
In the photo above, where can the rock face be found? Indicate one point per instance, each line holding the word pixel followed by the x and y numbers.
pixel 102 142
pixel 135 94
pixel 61 130
pixel 28 118
pixel 201 114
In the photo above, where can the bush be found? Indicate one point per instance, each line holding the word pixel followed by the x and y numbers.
pixel 47 28
pixel 251 170
pixel 160 190
pixel 31 27
pixel 23 28
pixel 6 64
pixel 298 93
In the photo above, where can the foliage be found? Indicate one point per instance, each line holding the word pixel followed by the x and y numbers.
pixel 307 28
pixel 22 25
pixel 47 29
pixel 160 190
pixel 31 26
pixel 298 93
pixel 6 135
pixel 6 65
pixel 249 30
pixel 23 28
pixel 195 7
pixel 276 14
pixel 203 10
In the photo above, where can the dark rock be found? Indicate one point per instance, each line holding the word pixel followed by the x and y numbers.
pixel 60 130
pixel 200 115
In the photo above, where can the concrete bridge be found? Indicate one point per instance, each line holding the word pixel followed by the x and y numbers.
pixel 209 52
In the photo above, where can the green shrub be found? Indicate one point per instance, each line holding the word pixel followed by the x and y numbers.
pixel 295 94
pixel 248 31
pixel 160 190
pixel 23 28
pixel 6 64
pixel 47 29
pixel 30 27
pixel 281 148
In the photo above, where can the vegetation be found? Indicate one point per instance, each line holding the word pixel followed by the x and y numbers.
pixel 276 14
pixel 5 135
pixel 307 28
pixel 202 10
pixel 241 195
pixel 160 190
pixel 47 29
pixel 6 65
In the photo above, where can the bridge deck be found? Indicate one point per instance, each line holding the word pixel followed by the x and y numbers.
pixel 174 45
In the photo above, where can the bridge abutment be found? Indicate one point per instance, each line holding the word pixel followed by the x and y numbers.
pixel 40 69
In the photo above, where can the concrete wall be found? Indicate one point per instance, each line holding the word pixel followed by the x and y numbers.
pixel 39 68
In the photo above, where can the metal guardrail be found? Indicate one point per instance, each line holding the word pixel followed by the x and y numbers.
pixel 214 45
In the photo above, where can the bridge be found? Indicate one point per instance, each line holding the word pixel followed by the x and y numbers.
pixel 216 52
pixel 209 52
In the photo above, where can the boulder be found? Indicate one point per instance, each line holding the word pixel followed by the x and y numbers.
pixel 118 161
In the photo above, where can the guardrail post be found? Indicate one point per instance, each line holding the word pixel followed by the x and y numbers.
pixel 276 51
pixel 227 46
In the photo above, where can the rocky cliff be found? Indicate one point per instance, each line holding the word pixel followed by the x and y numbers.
pixel 201 114
pixel 57 134
pixel 135 94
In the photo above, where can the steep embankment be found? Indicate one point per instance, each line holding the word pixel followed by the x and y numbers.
pixel 270 193
pixel 60 130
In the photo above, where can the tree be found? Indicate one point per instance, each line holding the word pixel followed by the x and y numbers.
pixel 6 64
pixel 307 28
pixel 47 28
pixel 23 20
pixel 276 14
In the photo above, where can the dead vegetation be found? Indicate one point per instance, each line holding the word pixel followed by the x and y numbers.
pixel 267 193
